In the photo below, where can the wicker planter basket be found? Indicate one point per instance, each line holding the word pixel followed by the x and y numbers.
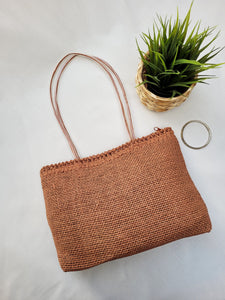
pixel 154 102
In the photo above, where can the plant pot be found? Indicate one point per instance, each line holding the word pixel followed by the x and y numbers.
pixel 154 102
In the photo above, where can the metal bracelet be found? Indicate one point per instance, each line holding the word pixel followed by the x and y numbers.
pixel 205 125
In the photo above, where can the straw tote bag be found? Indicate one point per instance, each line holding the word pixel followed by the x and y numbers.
pixel 132 198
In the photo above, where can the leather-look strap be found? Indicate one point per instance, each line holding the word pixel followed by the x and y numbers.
pixel 109 69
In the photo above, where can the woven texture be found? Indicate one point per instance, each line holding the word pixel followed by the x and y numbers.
pixel 154 102
pixel 122 202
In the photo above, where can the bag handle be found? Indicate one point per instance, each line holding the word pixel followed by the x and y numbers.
pixel 54 101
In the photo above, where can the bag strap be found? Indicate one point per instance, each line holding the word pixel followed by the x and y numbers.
pixel 54 101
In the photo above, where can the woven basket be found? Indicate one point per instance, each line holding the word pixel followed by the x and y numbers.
pixel 154 102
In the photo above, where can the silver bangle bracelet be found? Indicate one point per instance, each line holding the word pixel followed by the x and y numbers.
pixel 207 128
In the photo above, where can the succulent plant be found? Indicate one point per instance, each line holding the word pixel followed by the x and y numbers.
pixel 175 59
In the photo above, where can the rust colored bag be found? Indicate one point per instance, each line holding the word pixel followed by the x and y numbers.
pixel 121 202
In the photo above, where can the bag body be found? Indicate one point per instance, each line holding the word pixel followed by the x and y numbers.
pixel 124 201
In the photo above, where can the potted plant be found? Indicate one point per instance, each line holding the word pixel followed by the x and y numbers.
pixel 174 61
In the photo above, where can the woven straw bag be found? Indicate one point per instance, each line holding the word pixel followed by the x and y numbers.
pixel 154 102
pixel 132 198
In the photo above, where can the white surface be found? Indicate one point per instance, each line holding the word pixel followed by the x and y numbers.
pixel 34 36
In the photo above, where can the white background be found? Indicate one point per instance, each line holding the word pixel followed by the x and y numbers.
pixel 34 35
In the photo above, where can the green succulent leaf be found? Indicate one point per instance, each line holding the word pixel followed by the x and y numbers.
pixel 187 61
